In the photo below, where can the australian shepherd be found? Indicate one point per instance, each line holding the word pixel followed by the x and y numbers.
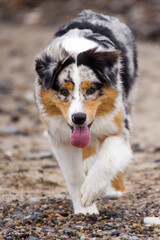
pixel 84 88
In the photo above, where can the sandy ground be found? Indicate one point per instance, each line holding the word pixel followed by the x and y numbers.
pixel 26 167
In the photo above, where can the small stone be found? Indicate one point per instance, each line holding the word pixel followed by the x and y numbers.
pixel 157 160
pixel 18 215
pixel 32 238
pixel 116 233
pixel 141 229
pixel 50 166
pixel 36 216
pixel 82 238
pixel 34 199
pixel 151 221
pixel 29 158
pixel 8 154
pixel 11 130
pixel 138 148
pixel 10 224
pixel 157 148
pixel 46 154
pixel 66 231
pixel 32 18
pixel 15 117
pixel 64 237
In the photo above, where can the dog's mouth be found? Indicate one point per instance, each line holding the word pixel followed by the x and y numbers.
pixel 80 136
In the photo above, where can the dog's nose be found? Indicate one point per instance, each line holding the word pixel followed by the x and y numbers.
pixel 79 118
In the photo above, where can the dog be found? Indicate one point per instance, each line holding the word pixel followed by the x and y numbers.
pixel 84 91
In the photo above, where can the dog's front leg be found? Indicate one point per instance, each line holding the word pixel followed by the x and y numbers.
pixel 113 157
pixel 70 162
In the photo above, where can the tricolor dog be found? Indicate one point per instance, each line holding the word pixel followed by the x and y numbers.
pixel 84 90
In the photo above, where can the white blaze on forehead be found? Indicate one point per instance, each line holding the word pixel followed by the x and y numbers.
pixel 76 104
pixel 75 45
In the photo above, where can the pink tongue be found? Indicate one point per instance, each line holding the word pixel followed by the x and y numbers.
pixel 80 137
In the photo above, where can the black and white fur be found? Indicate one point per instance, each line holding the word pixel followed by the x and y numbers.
pixel 86 32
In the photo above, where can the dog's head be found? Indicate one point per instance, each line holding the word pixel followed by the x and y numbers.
pixel 80 88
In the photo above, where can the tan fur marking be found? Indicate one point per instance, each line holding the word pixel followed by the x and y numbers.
pixel 107 102
pixel 119 119
pixel 102 105
pixel 101 140
pixel 45 121
pixel 90 109
pixel 118 182
pixel 85 85
pixel 53 106
pixel 88 151
pixel 69 86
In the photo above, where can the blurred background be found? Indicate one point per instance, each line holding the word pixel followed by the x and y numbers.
pixel 142 16
pixel 26 27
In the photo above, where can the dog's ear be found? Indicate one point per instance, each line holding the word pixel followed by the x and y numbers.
pixel 107 66
pixel 46 67
pixel 104 64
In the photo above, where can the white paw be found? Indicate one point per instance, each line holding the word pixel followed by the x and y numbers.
pixel 92 209
pixel 111 193
pixel 84 210
pixel 91 190
pixel 80 210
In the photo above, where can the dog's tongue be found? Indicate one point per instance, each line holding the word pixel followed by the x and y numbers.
pixel 80 136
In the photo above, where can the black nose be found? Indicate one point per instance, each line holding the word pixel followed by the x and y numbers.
pixel 79 118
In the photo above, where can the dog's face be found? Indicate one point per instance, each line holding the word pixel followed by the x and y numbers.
pixel 79 88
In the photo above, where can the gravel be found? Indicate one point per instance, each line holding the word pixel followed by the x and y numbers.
pixel 53 218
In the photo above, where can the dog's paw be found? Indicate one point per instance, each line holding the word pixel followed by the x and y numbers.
pixel 88 196
pixel 90 191
pixel 89 209
pixel 92 209
pixel 82 210
pixel 112 193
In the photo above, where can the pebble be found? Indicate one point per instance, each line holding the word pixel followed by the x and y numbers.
pixel 11 130
pixel 34 199
pixel 82 238
pixel 29 158
pixel 46 154
pixel 157 160
pixel 116 233
pixel 8 153
pixel 138 148
pixel 50 166
pixel 9 224
pixel 151 221
pixel 18 213
pixel 15 116
pixel 32 238
pixel 157 148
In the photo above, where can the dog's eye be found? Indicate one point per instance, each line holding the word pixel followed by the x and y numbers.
pixel 64 92
pixel 90 91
